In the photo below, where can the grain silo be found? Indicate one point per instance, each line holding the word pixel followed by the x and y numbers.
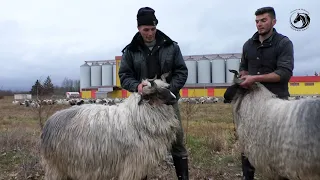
pixel 107 76
pixel 232 63
pixel 218 70
pixel 114 76
pixel 204 73
pixel 192 71
pixel 96 74
pixel 85 74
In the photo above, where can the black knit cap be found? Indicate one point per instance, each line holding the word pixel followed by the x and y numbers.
pixel 146 16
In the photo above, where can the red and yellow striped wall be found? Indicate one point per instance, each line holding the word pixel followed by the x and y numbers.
pixel 91 94
pixel 203 92
pixel 88 94
pixel 184 92
pixel 304 85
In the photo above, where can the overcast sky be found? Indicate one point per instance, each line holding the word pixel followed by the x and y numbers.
pixel 40 38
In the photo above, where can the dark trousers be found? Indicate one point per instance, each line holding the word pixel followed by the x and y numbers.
pixel 179 152
pixel 247 169
pixel 178 147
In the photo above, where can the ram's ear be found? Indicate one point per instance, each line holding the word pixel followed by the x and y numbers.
pixel 164 76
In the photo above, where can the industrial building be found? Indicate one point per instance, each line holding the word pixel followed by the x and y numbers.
pixel 208 76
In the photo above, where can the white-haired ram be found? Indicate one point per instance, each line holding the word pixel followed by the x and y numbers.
pixel 281 138
pixel 91 142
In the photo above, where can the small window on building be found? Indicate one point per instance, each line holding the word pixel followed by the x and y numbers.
pixel 309 84
pixel 294 84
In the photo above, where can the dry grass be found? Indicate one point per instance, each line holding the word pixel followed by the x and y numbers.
pixel 19 139
pixel 209 137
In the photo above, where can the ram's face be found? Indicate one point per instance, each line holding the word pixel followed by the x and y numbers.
pixel 157 91
pixel 230 93
pixel 165 96
pixel 235 89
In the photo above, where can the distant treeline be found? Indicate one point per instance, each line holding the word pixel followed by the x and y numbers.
pixel 47 88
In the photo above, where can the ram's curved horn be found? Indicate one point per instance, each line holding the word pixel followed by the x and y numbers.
pixel 150 80
pixel 235 72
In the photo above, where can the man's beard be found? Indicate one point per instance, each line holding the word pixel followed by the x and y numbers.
pixel 265 33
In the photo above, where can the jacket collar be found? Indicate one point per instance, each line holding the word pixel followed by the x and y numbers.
pixel 255 37
pixel 137 41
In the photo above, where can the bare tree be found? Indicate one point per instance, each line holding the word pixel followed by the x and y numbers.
pixel 43 104
pixel 188 111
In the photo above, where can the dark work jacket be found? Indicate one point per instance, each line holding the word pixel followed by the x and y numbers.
pixel 133 65
pixel 275 54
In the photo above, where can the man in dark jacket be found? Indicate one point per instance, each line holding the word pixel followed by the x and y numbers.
pixel 268 58
pixel 150 53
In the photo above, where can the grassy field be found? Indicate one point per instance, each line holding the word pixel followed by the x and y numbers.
pixel 209 138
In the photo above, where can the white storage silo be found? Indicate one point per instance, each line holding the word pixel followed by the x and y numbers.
pixel 114 76
pixel 218 71
pixel 232 63
pixel 204 71
pixel 85 76
pixel 192 71
pixel 96 74
pixel 107 74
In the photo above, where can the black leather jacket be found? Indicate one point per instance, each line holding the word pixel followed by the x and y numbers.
pixel 133 64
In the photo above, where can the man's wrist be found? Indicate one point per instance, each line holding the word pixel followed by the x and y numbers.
pixel 256 78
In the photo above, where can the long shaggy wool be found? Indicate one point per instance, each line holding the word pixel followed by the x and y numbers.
pixel 96 142
pixel 279 137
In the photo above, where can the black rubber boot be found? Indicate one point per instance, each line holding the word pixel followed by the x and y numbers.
pixel 247 169
pixel 181 166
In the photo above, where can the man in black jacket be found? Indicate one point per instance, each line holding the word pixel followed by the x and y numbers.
pixel 268 58
pixel 150 53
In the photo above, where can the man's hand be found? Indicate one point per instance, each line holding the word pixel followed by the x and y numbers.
pixel 140 86
pixel 243 73
pixel 248 81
